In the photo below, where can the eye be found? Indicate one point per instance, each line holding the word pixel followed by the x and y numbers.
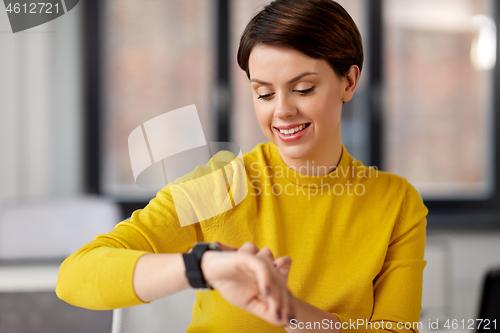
pixel 265 97
pixel 305 91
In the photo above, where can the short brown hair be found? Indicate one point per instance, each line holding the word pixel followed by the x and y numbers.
pixel 321 29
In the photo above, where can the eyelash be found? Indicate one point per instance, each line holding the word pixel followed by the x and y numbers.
pixel 301 92
pixel 306 91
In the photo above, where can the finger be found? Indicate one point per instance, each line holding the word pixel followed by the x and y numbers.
pixel 249 247
pixel 285 306
pixel 289 308
pixel 270 287
pixel 276 304
pixel 224 247
pixel 283 262
pixel 284 300
pixel 283 265
pixel 281 304
pixel 275 298
pixel 262 272
pixel 266 254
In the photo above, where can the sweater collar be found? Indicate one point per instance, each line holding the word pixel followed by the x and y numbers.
pixel 343 172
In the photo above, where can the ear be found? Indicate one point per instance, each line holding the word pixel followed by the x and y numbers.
pixel 350 83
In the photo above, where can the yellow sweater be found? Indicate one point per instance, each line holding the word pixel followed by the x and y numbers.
pixel 356 238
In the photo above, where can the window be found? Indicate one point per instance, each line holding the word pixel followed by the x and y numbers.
pixel 156 58
pixel 437 120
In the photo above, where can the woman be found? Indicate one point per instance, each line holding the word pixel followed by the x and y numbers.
pixel 349 240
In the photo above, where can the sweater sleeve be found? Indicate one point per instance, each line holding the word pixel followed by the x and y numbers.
pixel 99 275
pixel 397 289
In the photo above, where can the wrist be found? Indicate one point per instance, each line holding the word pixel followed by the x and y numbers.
pixel 192 261
pixel 206 264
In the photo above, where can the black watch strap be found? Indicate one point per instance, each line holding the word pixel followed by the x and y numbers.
pixel 192 261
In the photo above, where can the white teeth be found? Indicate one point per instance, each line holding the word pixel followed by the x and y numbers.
pixel 293 130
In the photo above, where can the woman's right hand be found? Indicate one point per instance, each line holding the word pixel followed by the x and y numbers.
pixel 252 280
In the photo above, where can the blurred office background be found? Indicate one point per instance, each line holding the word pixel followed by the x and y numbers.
pixel 72 90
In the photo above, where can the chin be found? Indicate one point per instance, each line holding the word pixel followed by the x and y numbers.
pixel 294 152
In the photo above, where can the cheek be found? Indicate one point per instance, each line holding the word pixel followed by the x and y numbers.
pixel 325 112
pixel 262 116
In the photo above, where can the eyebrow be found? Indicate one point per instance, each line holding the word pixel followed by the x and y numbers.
pixel 295 79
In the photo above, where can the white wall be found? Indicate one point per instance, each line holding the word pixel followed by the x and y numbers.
pixel 457 262
pixel 41 109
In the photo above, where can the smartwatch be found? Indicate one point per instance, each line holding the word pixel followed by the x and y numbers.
pixel 192 261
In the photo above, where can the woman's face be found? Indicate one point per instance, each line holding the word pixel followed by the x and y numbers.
pixel 292 90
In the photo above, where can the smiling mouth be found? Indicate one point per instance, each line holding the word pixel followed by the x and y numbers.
pixel 292 131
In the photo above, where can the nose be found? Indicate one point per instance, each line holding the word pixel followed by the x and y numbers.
pixel 284 107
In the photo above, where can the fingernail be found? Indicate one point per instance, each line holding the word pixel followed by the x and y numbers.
pixel 268 291
pixel 278 314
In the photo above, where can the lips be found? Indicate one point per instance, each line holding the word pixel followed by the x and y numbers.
pixel 285 127
pixel 292 130
pixel 286 137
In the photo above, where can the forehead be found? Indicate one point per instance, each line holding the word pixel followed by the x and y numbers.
pixel 271 61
